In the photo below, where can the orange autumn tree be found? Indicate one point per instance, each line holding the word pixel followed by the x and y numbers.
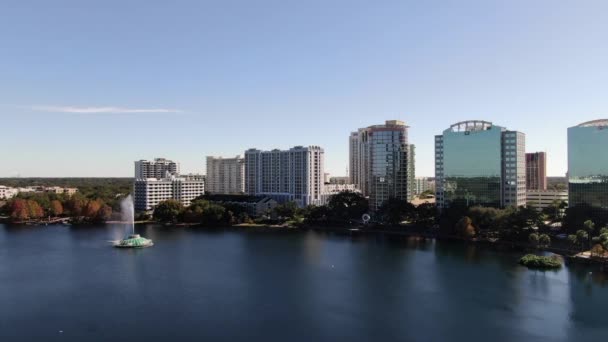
pixel 19 210
pixel 76 205
pixel 92 208
pixel 35 210
pixel 105 213
pixel 56 208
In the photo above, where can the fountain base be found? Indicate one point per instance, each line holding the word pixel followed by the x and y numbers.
pixel 134 241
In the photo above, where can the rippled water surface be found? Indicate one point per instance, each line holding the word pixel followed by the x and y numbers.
pixel 67 284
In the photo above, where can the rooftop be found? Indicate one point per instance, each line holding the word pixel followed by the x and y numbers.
pixel 594 123
pixel 471 125
pixel 235 198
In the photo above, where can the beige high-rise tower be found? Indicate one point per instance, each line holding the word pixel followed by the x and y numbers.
pixel 225 175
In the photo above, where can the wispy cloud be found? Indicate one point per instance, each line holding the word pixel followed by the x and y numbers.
pixel 101 110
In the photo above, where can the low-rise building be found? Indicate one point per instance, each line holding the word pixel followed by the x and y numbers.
pixel 29 189
pixel 332 189
pixel 541 199
pixel 339 180
pixel 418 201
pixel 60 190
pixel 7 192
pixel 149 192
pixel 255 205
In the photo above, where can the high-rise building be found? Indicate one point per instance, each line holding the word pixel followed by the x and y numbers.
pixel 588 166
pixel 424 184
pixel 382 162
pixel 478 163
pixel 353 154
pixel 536 171
pixel 158 168
pixel 225 175
pixel 287 175
pixel 149 192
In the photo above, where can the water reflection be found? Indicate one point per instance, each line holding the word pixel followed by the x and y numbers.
pixel 226 285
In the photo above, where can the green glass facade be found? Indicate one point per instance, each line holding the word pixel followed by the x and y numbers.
pixel 472 167
pixel 588 165
pixel 480 164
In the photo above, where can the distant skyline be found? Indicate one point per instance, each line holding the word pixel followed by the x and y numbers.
pixel 88 88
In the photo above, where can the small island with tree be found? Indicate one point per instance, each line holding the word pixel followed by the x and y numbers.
pixel 541 262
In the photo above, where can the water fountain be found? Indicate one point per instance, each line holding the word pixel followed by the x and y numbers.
pixel 128 215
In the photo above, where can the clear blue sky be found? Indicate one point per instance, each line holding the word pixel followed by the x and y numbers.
pixel 87 87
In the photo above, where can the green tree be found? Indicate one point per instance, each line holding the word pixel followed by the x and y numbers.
pixel 589 228
pixel 347 205
pixel 395 211
pixel 168 211
pixel 214 215
pixel 208 214
pixel 517 221
pixel 317 214
pixel 486 217
pixel 194 212
pixel 602 239
pixel 425 214
pixel 286 210
pixel 579 239
pixel 553 211
pixel 534 239
pixel 544 240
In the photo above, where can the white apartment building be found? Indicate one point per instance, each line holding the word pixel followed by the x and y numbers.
pixel 225 175
pixel 7 192
pixel 149 192
pixel 286 175
pixel 60 190
pixel 335 188
pixel 424 184
pixel 158 168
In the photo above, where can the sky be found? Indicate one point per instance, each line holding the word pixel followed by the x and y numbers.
pixel 88 87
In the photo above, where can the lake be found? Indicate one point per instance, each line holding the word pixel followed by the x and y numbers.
pixel 61 283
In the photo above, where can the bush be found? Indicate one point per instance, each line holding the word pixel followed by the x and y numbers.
pixel 541 262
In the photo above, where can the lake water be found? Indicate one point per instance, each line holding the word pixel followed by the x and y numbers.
pixel 68 284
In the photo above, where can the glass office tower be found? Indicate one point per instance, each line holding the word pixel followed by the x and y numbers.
pixel 478 163
pixel 588 165
pixel 383 161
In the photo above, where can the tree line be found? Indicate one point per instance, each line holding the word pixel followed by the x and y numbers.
pixel 529 225
pixel 344 208
pixel 36 206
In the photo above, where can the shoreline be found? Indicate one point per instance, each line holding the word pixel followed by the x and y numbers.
pixel 568 255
